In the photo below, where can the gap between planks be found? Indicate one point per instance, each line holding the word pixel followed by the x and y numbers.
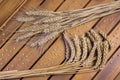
pixel 36 67
pixel 13 25
pixel 114 37
pixel 11 42
pixel 4 5
pixel 111 69
pixel 44 7
pixel 117 77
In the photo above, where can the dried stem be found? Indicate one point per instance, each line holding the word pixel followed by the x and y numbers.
pixel 80 56
pixel 65 20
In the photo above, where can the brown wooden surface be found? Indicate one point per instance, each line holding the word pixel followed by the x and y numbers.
pixel 8 10
pixel 117 77
pixel 19 56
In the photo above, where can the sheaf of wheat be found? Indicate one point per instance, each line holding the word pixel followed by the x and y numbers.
pixel 50 23
pixel 80 57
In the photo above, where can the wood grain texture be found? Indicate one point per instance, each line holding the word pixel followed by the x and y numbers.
pixel 19 56
pixel 22 57
pixel 57 53
pixel 113 37
pixel 73 32
pixel 9 8
pixel 32 53
pixel 111 69
pixel 9 48
pixel 117 77
pixel 10 28
pixel 64 6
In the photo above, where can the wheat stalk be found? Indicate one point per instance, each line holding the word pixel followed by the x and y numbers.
pixel 65 20
pixel 34 28
pixel 79 57
pixel 25 19
pixel 77 48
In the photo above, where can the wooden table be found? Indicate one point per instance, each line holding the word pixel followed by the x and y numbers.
pixel 19 56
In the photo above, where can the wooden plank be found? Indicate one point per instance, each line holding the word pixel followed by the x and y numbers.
pixel 115 40
pixel 13 25
pixel 26 54
pixel 8 9
pixel 109 23
pixel 1 1
pixel 112 68
pixel 11 48
pixel 76 2
pixel 46 60
pixel 102 25
pixel 117 77
pixel 53 55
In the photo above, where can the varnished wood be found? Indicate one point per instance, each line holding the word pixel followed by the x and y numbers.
pixel 111 69
pixel 60 52
pixel 23 57
pixel 13 50
pixel 117 77
pixel 9 8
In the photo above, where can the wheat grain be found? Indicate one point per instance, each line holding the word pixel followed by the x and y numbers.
pixel 89 44
pixel 99 56
pixel 77 48
pixel 84 48
pixel 25 19
pixel 70 19
pixel 41 13
pixel 48 20
pixel 105 52
pixel 53 19
pixel 27 35
pixel 44 39
pixel 34 28
pixel 90 36
pixel 72 49
pixel 95 35
pixel 90 59
pixel 106 38
pixel 53 27
pixel 67 50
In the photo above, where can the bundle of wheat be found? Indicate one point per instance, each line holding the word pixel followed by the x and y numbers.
pixel 50 24
pixel 84 54
pixel 90 50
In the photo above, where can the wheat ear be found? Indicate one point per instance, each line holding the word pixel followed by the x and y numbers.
pixel 72 49
pixel 90 59
pixel 99 56
pixel 105 52
pixel 77 48
pixel 67 50
pixel 34 28
pixel 25 19
pixel 84 48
